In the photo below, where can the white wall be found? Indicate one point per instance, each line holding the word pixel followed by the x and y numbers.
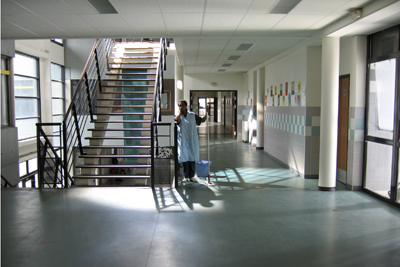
pixel 76 54
pixel 47 52
pixel 288 69
pixel 225 82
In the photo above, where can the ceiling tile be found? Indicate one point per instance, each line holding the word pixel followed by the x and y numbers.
pixel 150 32
pixel 137 6
pixel 217 31
pixel 316 7
pixel 105 20
pixel 66 20
pixel 46 6
pixel 180 6
pixel 292 22
pixel 260 21
pixel 179 20
pixel 143 20
pixel 80 7
pixel 18 34
pixel 261 6
pixel 222 20
pixel 228 6
pixel 9 7
pixel 116 31
pixel 183 32
pixel 87 32
pixel 28 21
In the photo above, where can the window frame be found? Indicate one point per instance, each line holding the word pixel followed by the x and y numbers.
pixel 37 98
pixel 62 82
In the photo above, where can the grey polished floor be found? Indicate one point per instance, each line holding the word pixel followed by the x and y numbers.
pixel 258 213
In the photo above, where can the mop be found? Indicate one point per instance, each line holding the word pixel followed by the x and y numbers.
pixel 208 145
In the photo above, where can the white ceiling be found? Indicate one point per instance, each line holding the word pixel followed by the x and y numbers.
pixel 206 32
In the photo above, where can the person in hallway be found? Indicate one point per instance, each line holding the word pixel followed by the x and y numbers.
pixel 188 140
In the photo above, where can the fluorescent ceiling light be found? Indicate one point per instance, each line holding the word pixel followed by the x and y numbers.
pixel 283 6
pixel 103 6
pixel 221 70
pixel 244 47
pixel 226 65
pixel 233 57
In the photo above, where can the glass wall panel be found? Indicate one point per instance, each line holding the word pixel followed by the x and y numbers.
pixel 5 112
pixel 26 65
pixel 58 106
pixel 26 86
pixel 379 168
pixel 382 82
pixel 26 107
pixel 57 89
pixel 26 128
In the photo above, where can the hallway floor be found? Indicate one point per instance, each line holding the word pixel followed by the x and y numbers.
pixel 257 214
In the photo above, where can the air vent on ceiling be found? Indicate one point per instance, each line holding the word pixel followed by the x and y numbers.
pixel 233 57
pixel 244 47
pixel 283 6
pixel 226 65
pixel 103 6
pixel 221 70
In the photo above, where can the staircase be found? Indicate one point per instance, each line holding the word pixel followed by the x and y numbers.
pixel 120 142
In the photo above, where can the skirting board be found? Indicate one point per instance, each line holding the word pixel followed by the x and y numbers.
pixel 309 176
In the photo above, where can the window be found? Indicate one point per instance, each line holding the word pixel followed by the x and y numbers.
pixel 58 41
pixel 27 96
pixel 58 94
pixel 5 106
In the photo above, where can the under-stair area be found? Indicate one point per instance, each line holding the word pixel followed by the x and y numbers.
pixel 119 143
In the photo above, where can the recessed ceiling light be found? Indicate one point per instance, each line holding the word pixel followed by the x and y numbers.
pixel 226 65
pixel 221 70
pixel 244 47
pixel 233 57
pixel 283 6
pixel 103 6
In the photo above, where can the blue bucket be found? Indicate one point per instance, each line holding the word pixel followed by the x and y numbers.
pixel 202 168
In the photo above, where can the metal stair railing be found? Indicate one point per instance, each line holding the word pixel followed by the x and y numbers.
pixel 83 103
pixel 50 174
pixel 74 123
pixel 156 115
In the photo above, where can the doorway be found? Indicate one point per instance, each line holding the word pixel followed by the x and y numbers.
pixel 343 128
pixel 223 110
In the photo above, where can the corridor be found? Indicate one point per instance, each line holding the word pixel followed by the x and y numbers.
pixel 258 213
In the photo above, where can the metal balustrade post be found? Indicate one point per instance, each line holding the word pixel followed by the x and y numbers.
pixel 152 156
pixel 77 128
pixel 88 96
pixel 98 69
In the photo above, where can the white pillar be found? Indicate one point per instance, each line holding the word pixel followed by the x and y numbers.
pixel 329 113
pixel 178 83
pixel 260 107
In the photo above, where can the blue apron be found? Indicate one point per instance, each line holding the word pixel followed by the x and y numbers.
pixel 188 140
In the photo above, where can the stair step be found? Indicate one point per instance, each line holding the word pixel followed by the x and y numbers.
pixel 111 177
pixel 113 146
pixel 118 130
pixel 112 166
pixel 125 99
pixel 142 52
pixel 126 106
pixel 119 138
pixel 122 113
pixel 129 86
pixel 115 156
pixel 133 62
pixel 134 73
pixel 134 57
pixel 131 92
pixel 133 68
pixel 122 121
pixel 129 80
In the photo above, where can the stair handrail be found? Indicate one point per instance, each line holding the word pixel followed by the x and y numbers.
pixel 6 182
pixel 158 86
pixel 83 102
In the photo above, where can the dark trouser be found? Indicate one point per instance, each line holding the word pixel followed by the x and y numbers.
pixel 188 169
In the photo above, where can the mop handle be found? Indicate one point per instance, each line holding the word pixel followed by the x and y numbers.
pixel 208 140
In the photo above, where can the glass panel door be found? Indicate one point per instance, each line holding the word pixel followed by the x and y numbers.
pixel 382 79
pixel 380 141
